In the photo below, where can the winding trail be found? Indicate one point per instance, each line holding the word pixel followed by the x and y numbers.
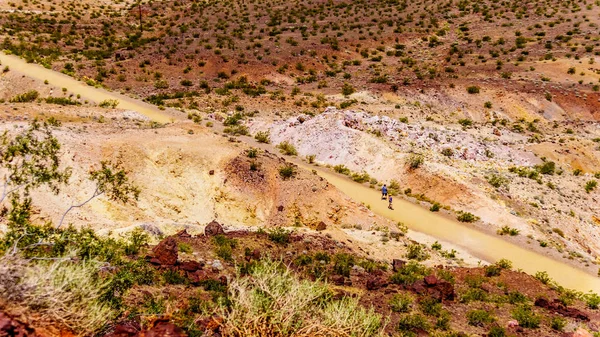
pixel 76 87
pixel 482 245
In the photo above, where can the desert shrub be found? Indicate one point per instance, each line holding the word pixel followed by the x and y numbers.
pixel 435 207
pixel 515 297
pixel 236 130
pixel 109 104
pixel 416 252
pixel 504 264
pixel 394 188
pixel 343 263
pixel 543 277
pixel 592 300
pixel 496 180
pixel 526 317
pixel 590 185
pixel 225 246
pixel 401 302
pixel 287 148
pixel 347 89
pixel 27 97
pixel 497 331
pixel 447 151
pixel 175 277
pixel 547 168
pixel 430 306
pixel 280 235
pixel 465 122
pixel 274 302
pixel 61 101
pixel 360 177
pixel 473 89
pixel 410 273
pixel 287 171
pixel 558 323
pixel 61 291
pixel 311 158
pixel 479 317
pixel 413 322
pixel 263 137
pixel 492 270
pixel 415 161
pixel 505 230
pixel 474 294
pixel 341 168
pixel 467 217
pixel 252 152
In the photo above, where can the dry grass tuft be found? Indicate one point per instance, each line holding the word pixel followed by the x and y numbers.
pixel 273 302
pixel 57 290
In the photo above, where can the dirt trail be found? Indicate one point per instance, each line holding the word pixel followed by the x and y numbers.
pixel 78 88
pixel 482 245
pixel 485 246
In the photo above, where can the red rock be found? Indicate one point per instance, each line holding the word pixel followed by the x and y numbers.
pixel 375 283
pixel 213 228
pixel 561 309
pixel 211 172
pixel 183 234
pixel 431 280
pixel 166 251
pixel 337 280
pixel 398 264
pixel 191 266
pixel 321 226
pixel 11 327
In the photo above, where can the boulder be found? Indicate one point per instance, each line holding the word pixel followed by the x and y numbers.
pixel 321 226
pixel 213 228
pixel 558 307
pixel 191 266
pixel 163 328
pixel 398 264
pixel 183 234
pixel 166 252
pixel 12 327
pixel 375 283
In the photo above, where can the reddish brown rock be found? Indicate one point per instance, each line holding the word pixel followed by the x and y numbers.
pixel 375 283
pixel 166 252
pixel 321 226
pixel 431 280
pixel 337 280
pixel 398 264
pixel 183 234
pixel 213 228
pixel 561 309
pixel 191 266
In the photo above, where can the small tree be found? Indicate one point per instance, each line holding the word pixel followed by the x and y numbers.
pixel 111 180
pixel 31 159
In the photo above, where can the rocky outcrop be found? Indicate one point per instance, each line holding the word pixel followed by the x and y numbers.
pixel 213 228
pixel 165 253
pixel 433 287
pixel 558 307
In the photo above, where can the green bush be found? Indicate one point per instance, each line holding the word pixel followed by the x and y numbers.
pixel 263 137
pixel 401 303
pixel 27 97
pixel 465 122
pixel 431 306
pixel 592 300
pixel 410 273
pixel 415 161
pixel 547 168
pixel 109 104
pixel 467 217
pixel 287 148
pixel 280 235
pixel 341 169
pixel 496 331
pixel 343 263
pixel 413 322
pixel 225 247
pixel 590 185
pixel 287 171
pixel 558 323
pixel 479 317
pixel 435 207
pixel 526 317
pixel 505 230
pixel 416 252
pixel 473 89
